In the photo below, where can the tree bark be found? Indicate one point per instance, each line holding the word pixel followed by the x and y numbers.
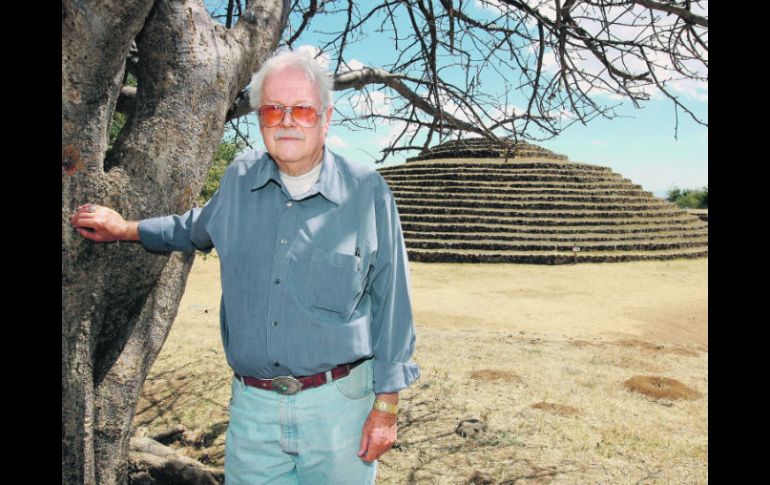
pixel 118 299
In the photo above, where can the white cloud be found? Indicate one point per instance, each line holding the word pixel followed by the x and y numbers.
pixel 562 113
pixel 626 24
pixel 380 103
pixel 376 103
pixel 336 141
pixel 689 88
pixel 390 136
pixel 454 109
pixel 396 127
pixel 597 142
pixel 352 65
pixel 495 6
pixel 550 63
pixel 700 8
pixel 698 90
pixel 513 110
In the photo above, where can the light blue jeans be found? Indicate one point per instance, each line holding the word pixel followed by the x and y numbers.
pixel 311 437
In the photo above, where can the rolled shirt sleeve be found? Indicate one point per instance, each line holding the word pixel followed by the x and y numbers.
pixel 186 232
pixel 393 336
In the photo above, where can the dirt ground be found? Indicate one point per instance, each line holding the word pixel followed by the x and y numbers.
pixel 540 354
pixel 664 301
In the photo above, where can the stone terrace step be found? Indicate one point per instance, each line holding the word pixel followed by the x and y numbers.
pixel 480 147
pixel 498 169
pixel 556 237
pixel 492 155
pixel 556 213
pixel 525 162
pixel 549 257
pixel 702 214
pixel 522 184
pixel 471 148
pixel 529 196
pixel 535 204
pixel 512 176
pixel 508 177
pixel 555 245
pixel 455 219
pixel 554 230
pixel 523 191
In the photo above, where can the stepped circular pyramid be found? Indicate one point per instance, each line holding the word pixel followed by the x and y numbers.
pixel 462 201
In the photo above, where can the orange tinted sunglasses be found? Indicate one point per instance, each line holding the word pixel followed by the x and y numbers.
pixel 271 115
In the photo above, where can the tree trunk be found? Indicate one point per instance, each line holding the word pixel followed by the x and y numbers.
pixel 119 300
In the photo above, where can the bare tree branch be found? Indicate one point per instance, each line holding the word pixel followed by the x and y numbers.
pixel 359 78
pixel 553 58
pixel 309 13
pixel 344 36
pixel 684 13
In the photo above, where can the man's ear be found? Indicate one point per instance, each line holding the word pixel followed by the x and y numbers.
pixel 328 117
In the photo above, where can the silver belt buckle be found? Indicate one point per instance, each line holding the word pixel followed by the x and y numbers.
pixel 287 385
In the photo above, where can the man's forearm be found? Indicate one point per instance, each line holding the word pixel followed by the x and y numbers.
pixel 388 397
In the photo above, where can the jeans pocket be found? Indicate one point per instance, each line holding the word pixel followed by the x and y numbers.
pixel 359 383
pixel 234 389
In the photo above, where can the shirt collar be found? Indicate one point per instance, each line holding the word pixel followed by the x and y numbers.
pixel 329 182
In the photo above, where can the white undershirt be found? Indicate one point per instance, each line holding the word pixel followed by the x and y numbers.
pixel 299 184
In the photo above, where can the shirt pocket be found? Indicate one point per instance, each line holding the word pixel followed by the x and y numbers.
pixel 335 282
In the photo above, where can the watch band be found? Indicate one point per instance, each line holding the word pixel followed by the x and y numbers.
pixel 385 406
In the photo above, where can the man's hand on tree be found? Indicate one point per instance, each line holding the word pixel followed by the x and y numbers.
pixel 103 224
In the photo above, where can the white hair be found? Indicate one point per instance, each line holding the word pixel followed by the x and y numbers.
pixel 301 59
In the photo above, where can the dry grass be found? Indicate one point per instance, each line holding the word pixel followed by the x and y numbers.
pixel 495 375
pixel 540 354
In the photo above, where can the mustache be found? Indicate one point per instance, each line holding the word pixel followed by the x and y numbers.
pixel 288 134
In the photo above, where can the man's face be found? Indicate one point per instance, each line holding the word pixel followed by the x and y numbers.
pixel 295 148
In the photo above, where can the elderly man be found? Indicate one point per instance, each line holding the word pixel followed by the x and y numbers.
pixel 315 314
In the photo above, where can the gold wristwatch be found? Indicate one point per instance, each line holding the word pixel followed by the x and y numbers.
pixel 385 406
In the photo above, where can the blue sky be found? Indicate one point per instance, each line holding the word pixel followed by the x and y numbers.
pixel 640 144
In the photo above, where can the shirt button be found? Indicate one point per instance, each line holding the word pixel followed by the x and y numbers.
pixel 276 364
pixel 289 204
pixel 275 323
pixel 278 281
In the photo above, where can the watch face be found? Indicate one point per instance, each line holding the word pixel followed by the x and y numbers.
pixel 387 407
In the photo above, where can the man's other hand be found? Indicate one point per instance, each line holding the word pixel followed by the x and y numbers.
pixel 378 435
pixel 103 224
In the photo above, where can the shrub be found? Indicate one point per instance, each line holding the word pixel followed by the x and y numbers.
pixel 224 156
pixel 689 198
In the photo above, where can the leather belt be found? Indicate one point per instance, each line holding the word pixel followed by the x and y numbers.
pixel 292 385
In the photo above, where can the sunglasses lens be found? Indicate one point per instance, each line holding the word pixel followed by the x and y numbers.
pixel 305 116
pixel 270 115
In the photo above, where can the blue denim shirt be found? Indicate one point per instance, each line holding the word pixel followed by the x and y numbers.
pixel 307 283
